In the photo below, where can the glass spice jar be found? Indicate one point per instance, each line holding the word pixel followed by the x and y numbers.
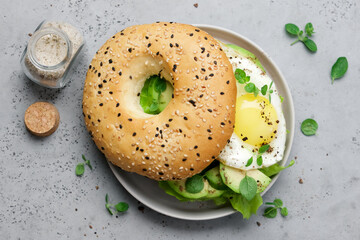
pixel 50 53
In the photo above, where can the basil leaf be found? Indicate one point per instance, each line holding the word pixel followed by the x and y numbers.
pixel 83 157
pixel 121 207
pixel 270 212
pixel 240 76
pixel 250 87
pixel 278 203
pixel 80 169
pixel 248 187
pixel 339 68
pixel 107 198
pixel 310 44
pixel 292 29
pixel 259 160
pixel 249 162
pixel 281 99
pixel 256 91
pixel 160 85
pixel 309 29
pixel 194 184
pixel 264 89
pixel 264 148
pixel 309 127
pixel 107 206
pixel 284 211
pixel 89 164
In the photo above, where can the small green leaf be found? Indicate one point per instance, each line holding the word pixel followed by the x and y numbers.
pixel 250 87
pixel 309 127
pixel 249 162
pixel 240 76
pixel 309 29
pixel 269 98
pixel 161 85
pixel 292 29
pixel 278 202
pixel 154 107
pixel 271 91
pixel 80 169
pixel 339 68
pixel 83 157
pixel 281 99
pixel 274 169
pixel 259 160
pixel 194 184
pixel 284 211
pixel 121 207
pixel 270 212
pixel 248 187
pixel 264 148
pixel 310 44
pixel 264 89
pixel 107 198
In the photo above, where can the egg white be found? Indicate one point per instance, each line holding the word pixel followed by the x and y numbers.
pixel 237 152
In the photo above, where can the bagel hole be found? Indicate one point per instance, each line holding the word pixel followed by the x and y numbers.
pixel 155 94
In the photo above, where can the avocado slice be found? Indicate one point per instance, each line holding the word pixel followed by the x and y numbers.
pixel 245 53
pixel 179 187
pixel 213 193
pixel 233 176
pixel 214 178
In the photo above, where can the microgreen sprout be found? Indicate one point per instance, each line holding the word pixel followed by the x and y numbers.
pixel 271 212
pixel 119 207
pixel 294 30
pixel 80 168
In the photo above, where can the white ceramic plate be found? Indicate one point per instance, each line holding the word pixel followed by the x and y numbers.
pixel 148 192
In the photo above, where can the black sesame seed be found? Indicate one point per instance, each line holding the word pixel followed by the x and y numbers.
pixel 134 134
pixel 161 173
pixel 174 68
pixel 191 34
pixel 211 75
pixel 137 149
pixel 210 138
pixel 215 62
pixel 149 45
pixel 170 119
pixel 244 139
pixel 138 94
pixel 171 45
pixel 205 38
pixel 227 82
pixel 147 158
pixel 172 36
pixel 192 102
pixel 144 169
pixel 201 95
pixel 89 117
pixel 100 85
pixel 176 44
pixel 197 30
pixel 162 145
pixel 120 126
pixel 105 52
pixel 119 114
pixel 191 169
pixel 202 50
pixel 195 58
pixel 130 119
pixel 120 73
pixel 104 81
pixel 110 61
pixel 113 68
pixel 222 123
pixel 99 74
pixel 102 148
pixel 198 154
pixel 197 76
pixel 185 118
pixel 146 37
pixel 209 130
pixel 130 50
pixel 90 66
pixel 101 104
pixel 141 150
pixel 117 104
pixel 203 69
pixel 184 159
pixel 209 110
pixel 222 93
pixel 195 147
pixel 167 125
pixel 99 92
pixel 208 55
pixel 166 165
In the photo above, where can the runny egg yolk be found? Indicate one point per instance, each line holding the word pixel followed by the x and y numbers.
pixel 256 121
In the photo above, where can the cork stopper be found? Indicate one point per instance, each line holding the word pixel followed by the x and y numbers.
pixel 42 119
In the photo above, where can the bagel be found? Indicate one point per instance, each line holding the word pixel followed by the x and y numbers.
pixel 194 127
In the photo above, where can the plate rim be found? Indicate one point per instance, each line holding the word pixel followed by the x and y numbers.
pixel 227 210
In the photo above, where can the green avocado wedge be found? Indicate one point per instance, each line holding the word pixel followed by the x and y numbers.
pixel 245 53
pixel 213 193
pixel 214 178
pixel 233 176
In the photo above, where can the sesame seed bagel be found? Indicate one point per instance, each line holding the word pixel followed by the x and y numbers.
pixel 196 124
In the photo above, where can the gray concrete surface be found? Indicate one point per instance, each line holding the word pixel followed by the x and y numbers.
pixel 40 196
